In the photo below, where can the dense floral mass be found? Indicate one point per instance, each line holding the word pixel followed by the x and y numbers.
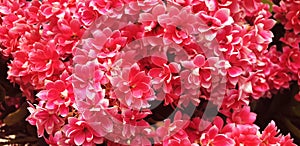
pixel 134 72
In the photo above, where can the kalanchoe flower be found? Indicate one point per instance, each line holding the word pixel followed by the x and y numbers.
pixel 58 139
pixel 86 14
pixel 212 137
pixel 291 39
pixel 46 120
pixel 297 97
pixel 81 133
pixel 40 38
pixel 279 79
pixel 242 134
pixel 242 116
pixel 290 57
pixel 178 139
pixel 269 134
pixel 288 13
pixel 56 96
pixel 256 85
pixel 133 87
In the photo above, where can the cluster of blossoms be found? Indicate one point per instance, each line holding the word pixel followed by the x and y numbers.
pixel 130 72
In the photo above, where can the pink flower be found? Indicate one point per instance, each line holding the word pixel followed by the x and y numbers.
pixel 233 74
pixel 269 135
pixel 53 8
pixel 67 32
pixel 233 100
pixel 297 97
pixel 256 85
pixel 113 45
pixel 86 14
pixel 291 39
pixel 279 79
pixel 288 13
pixel 81 133
pixel 162 72
pixel 32 12
pixel 286 141
pixel 58 139
pixel 178 139
pixel 44 59
pixel 102 6
pixel 219 20
pixel 56 96
pixel 212 137
pixel 44 119
pixel 138 82
pixel 243 116
pixel 294 20
pixel 290 57
pixel 251 7
pixel 133 87
pixel 242 134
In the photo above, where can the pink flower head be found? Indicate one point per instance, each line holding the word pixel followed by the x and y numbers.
pixel 162 72
pixel 178 139
pixel 291 39
pixel 288 13
pixel 269 135
pixel 133 88
pixel 44 119
pixel 103 6
pixel 81 133
pixel 294 20
pixel 286 141
pixel 242 134
pixel 256 85
pixel 243 116
pixel 233 74
pixel 297 97
pixel 86 14
pixel 57 139
pixel 53 8
pixel 234 100
pixel 67 32
pixel 219 20
pixel 213 137
pixel 56 96
pixel 279 79
pixel 290 57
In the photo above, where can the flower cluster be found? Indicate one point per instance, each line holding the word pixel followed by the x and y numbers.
pixel 103 71
pixel 288 14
